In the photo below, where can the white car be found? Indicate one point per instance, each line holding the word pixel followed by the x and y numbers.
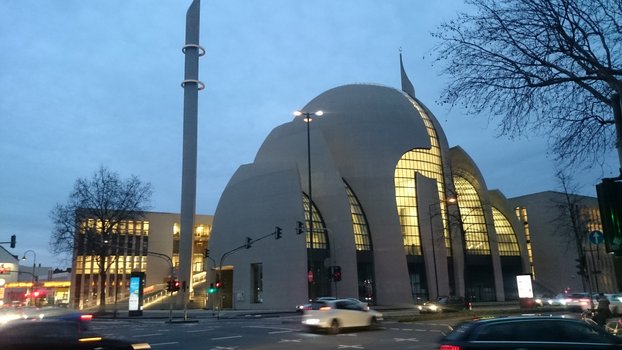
pixel 334 315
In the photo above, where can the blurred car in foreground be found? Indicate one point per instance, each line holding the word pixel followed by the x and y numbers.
pixel 335 315
pixel 528 332
pixel 443 304
pixel 49 334
pixel 35 313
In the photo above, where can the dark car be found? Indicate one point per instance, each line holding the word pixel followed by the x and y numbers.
pixel 51 334
pixel 539 332
pixel 443 304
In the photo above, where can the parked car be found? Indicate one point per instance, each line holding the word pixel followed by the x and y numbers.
pixel 443 304
pixel 335 315
pixel 50 334
pixel 539 332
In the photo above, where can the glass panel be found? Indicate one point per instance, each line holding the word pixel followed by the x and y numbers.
pixel 472 215
pixel 319 229
pixel 362 240
pixel 508 245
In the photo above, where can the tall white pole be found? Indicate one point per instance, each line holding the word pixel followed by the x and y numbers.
pixel 191 85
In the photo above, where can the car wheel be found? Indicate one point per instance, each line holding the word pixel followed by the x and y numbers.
pixel 334 327
pixel 373 323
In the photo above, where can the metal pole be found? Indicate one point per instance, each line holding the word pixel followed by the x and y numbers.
pixel 312 291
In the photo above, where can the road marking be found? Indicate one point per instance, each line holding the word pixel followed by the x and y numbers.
pixel 231 337
pixel 268 327
pixel 279 332
pixel 224 348
pixel 167 343
pixel 350 347
pixel 146 335
pixel 347 335
pixel 290 341
pixel 405 339
pixel 199 330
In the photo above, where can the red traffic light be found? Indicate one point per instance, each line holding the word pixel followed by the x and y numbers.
pixel 218 284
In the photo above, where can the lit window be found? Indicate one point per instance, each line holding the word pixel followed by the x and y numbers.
pixel 319 229
pixel 508 245
pixel 472 215
pixel 362 240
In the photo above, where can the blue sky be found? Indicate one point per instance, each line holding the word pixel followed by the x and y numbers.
pixel 88 83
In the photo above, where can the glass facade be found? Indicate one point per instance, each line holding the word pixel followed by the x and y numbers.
pixel 506 237
pixel 125 247
pixel 521 214
pixel 319 229
pixel 472 216
pixel 427 162
pixel 362 240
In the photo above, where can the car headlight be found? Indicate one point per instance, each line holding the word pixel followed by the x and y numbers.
pixel 420 307
pixel 311 321
pixel 433 307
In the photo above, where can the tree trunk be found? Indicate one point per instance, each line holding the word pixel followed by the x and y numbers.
pixel 102 282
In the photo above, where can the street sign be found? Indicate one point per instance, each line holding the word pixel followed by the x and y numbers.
pixel 597 237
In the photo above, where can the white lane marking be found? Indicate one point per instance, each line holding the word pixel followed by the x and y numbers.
pixel 146 335
pixel 290 341
pixel 279 332
pixel 267 327
pixel 167 343
pixel 199 330
pixel 350 347
pixel 231 337
pixel 405 339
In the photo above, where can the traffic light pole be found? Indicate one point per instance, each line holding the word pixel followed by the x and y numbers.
pixel 249 242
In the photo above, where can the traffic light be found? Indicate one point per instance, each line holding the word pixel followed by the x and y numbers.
pixel 169 285
pixel 609 194
pixel 13 241
pixel 278 232
pixel 176 286
pixel 336 273
pixel 211 289
pixel 581 265
pixel 299 227
pixel 218 284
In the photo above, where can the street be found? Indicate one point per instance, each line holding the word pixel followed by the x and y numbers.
pixel 283 332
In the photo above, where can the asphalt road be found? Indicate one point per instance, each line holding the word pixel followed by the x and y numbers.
pixel 285 332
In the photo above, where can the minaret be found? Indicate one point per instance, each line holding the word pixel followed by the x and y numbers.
pixel 191 86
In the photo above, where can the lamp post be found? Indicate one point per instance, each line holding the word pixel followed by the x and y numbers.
pixel 439 203
pixel 308 118
pixel 34 263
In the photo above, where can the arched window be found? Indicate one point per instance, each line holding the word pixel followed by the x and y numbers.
pixel 319 228
pixel 427 162
pixel 508 245
pixel 362 241
pixel 472 217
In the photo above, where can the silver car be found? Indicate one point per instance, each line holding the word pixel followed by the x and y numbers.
pixel 335 315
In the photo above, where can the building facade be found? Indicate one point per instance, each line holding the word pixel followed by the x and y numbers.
pixel 561 227
pixel 401 215
pixel 150 246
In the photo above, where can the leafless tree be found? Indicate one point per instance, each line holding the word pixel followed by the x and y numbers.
pixel 106 201
pixel 550 66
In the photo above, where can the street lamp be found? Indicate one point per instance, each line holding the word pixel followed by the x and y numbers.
pixel 308 118
pixel 34 263
pixel 439 203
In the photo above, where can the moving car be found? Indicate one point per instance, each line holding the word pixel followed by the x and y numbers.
pixel 335 315
pixel 300 308
pixel 50 334
pixel 578 302
pixel 529 332
pixel 443 304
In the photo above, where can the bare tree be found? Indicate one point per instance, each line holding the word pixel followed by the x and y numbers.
pixel 105 201
pixel 550 66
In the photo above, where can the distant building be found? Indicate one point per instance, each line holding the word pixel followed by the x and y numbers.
pixel 9 268
pixel 137 246
pixel 555 224
pixel 402 216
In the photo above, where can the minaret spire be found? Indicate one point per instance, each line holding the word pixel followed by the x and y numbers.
pixel 407 86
